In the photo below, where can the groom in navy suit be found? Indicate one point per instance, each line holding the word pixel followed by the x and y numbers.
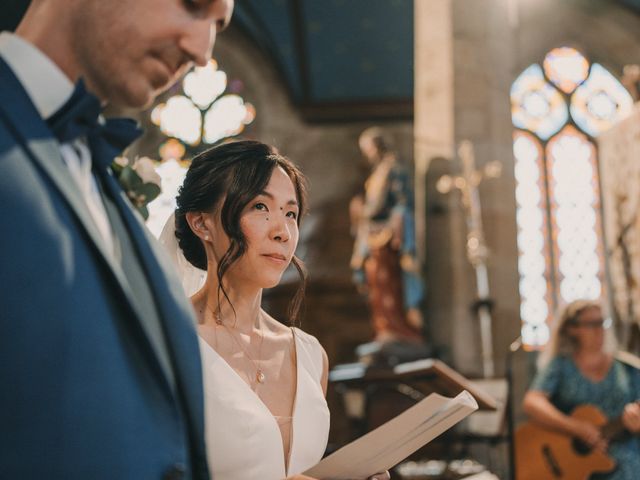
pixel 99 367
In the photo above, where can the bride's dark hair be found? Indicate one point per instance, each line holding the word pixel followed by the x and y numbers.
pixel 227 178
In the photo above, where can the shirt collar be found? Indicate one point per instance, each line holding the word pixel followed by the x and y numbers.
pixel 47 86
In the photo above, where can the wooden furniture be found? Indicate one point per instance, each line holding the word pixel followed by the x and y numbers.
pixel 374 395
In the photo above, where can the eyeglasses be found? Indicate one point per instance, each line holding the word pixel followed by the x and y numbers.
pixel 603 323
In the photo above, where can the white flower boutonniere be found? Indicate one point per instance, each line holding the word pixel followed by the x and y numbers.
pixel 139 180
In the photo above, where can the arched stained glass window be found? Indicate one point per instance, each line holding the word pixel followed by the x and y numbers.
pixel 557 109
pixel 203 113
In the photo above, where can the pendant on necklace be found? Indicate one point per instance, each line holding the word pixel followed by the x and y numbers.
pixel 260 378
pixel 218 319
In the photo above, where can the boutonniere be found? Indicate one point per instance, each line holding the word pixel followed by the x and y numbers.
pixel 140 181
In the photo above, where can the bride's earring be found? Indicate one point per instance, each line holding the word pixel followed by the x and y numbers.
pixel 202 227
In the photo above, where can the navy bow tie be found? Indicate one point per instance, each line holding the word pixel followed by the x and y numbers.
pixel 80 116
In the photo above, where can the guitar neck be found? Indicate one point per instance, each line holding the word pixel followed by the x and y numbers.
pixel 614 429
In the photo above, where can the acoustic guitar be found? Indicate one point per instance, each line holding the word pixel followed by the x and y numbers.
pixel 543 454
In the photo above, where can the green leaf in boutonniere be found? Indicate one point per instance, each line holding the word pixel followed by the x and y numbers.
pixel 139 180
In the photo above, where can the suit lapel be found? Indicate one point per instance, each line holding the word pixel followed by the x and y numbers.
pixel 175 312
pixel 32 132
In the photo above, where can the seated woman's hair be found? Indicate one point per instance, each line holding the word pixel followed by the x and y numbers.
pixel 561 343
pixel 226 178
pixel 570 313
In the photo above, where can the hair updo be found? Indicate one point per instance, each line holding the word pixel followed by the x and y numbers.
pixel 225 179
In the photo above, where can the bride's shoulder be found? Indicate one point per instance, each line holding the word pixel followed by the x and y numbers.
pixel 305 337
pixel 282 331
pixel 317 353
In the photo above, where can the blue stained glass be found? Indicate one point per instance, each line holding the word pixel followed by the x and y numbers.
pixel 600 102
pixel 536 105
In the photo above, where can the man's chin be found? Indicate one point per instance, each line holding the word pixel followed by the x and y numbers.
pixel 138 99
pixel 145 98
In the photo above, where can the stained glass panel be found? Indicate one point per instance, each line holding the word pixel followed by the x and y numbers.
pixel 533 249
pixel 566 68
pixel 227 117
pixel 573 190
pixel 204 84
pixel 536 105
pixel 600 102
pixel 179 118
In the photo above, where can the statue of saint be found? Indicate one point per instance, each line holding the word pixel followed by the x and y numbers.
pixel 384 263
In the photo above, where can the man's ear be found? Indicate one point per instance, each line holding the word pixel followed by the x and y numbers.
pixel 196 221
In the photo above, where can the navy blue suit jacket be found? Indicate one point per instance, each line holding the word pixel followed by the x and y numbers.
pixel 82 392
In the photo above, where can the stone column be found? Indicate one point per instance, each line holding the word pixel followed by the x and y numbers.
pixel 433 110
pixel 464 56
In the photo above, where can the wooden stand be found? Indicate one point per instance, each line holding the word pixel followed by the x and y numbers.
pixel 374 395
pixel 427 375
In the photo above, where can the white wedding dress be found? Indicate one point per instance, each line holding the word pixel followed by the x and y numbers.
pixel 243 437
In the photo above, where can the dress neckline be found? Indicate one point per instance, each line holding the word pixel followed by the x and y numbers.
pixel 234 374
pixel 592 380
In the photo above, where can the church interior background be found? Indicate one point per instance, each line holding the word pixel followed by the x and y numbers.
pixel 534 85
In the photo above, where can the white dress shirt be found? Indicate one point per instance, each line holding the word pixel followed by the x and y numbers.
pixel 49 88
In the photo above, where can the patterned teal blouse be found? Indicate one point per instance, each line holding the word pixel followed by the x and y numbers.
pixel 568 388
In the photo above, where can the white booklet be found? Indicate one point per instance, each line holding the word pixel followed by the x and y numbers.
pixel 392 442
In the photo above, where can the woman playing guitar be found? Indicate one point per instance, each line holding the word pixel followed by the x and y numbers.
pixel 579 367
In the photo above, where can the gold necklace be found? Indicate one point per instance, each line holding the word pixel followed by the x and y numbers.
pixel 260 377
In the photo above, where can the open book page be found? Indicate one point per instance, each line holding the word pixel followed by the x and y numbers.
pixel 392 442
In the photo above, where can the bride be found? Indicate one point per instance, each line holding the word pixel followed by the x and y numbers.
pixel 237 219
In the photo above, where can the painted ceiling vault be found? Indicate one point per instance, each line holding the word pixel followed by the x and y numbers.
pixel 336 50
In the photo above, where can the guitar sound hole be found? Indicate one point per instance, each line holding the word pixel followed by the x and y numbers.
pixel 580 447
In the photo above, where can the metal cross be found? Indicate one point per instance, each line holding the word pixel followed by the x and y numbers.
pixel 477 252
